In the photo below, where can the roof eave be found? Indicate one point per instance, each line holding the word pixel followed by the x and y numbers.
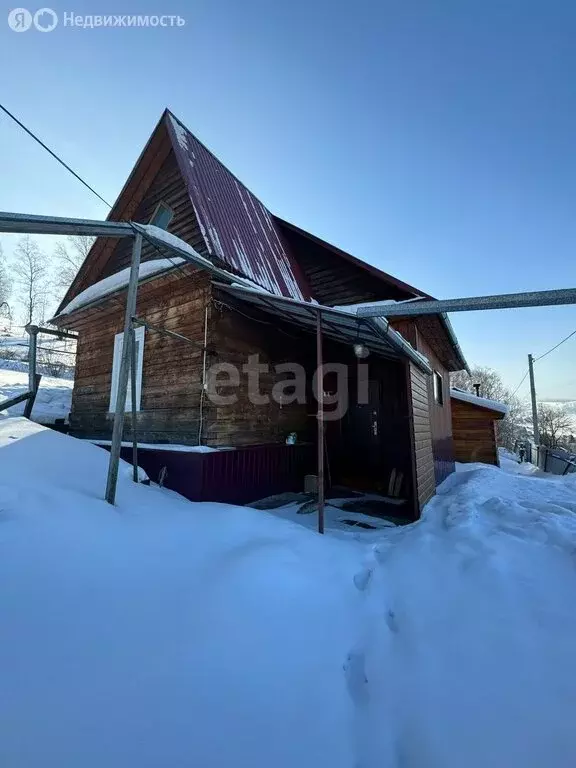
pixel 369 268
pixel 445 320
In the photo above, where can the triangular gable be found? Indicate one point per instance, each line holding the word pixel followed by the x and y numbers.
pixel 237 229
pixel 151 159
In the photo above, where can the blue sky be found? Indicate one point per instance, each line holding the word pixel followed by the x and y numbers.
pixel 434 139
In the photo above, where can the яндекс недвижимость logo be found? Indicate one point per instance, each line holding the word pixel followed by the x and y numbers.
pixel 21 20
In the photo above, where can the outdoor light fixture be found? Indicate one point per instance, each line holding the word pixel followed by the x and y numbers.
pixel 361 350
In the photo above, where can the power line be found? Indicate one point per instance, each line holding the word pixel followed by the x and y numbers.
pixel 542 356
pixel 556 346
pixel 54 155
pixel 85 183
pixel 521 382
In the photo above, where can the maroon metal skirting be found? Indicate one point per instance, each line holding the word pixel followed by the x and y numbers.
pixel 233 476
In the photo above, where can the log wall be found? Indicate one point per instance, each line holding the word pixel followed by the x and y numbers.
pixel 171 368
pixel 235 337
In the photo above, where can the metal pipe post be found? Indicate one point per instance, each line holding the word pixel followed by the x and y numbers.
pixel 133 364
pixel 112 479
pixel 535 427
pixel 203 382
pixel 320 417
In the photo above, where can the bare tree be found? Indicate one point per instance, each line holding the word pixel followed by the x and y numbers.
pixel 491 384
pixel 33 278
pixel 71 255
pixel 512 426
pixel 555 423
pixel 5 287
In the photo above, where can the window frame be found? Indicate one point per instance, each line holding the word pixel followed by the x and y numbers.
pixel 162 206
pixel 438 387
pixel 116 362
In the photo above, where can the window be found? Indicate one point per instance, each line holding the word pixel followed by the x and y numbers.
pixel 162 216
pixel 118 345
pixel 438 388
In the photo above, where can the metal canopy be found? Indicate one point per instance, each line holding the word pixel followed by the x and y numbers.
pixel 26 223
pixel 338 325
pixel 498 301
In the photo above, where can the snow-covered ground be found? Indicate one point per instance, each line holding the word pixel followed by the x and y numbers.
pixel 53 399
pixel 54 356
pixel 166 633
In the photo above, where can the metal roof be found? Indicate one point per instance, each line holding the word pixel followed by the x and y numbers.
pixel 341 326
pixel 237 229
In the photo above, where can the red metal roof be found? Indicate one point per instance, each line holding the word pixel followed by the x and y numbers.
pixel 237 229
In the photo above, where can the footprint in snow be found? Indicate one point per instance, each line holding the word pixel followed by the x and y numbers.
pixel 356 680
pixel 362 578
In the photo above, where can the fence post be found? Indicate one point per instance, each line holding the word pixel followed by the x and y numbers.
pixel 32 331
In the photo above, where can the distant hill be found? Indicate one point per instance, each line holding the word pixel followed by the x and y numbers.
pixel 569 404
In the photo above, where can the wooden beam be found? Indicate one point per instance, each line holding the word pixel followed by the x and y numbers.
pixel 15 400
pixel 32 396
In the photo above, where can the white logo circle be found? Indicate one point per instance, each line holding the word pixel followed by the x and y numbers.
pixel 19 19
pixel 45 20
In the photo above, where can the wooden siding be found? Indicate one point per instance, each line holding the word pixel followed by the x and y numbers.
pixel 171 369
pixel 440 415
pixel 422 436
pixel 474 433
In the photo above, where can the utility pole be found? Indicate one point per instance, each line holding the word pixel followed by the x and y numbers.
pixel 533 398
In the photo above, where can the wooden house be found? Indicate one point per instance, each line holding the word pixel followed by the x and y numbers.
pixel 197 330
pixel 474 427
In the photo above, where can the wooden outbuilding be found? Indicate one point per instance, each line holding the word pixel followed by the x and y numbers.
pixel 204 340
pixel 474 427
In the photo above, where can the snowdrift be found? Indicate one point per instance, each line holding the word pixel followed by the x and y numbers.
pixel 165 633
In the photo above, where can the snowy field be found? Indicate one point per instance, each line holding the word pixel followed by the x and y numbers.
pixel 53 399
pixel 165 633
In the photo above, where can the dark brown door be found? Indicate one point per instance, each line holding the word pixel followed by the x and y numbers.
pixel 362 441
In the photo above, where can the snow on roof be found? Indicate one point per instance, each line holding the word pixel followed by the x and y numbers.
pixel 173 241
pixel 482 402
pixel 117 281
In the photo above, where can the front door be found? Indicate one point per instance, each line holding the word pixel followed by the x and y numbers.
pixel 361 465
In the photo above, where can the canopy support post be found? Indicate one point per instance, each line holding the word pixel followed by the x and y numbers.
pixel 320 417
